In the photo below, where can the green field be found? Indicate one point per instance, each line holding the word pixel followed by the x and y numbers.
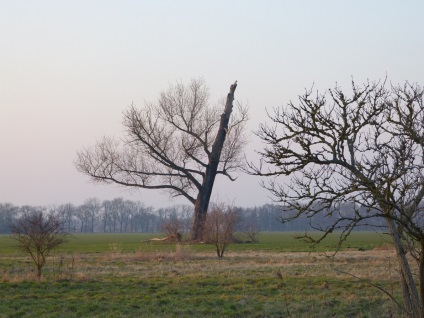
pixel 270 241
pixel 118 275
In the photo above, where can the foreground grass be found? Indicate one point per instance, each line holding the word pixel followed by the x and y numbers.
pixel 189 281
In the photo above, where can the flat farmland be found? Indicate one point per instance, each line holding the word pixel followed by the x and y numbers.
pixel 121 275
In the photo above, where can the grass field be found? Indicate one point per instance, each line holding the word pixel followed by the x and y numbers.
pixel 117 275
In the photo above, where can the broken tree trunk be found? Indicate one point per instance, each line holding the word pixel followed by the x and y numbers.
pixel 202 201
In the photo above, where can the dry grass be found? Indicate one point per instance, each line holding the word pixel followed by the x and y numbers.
pixel 372 265
pixel 264 283
pixel 377 264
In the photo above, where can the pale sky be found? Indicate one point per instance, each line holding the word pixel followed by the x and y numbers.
pixel 69 68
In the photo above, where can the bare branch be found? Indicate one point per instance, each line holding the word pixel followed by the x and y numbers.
pixel 366 150
pixel 37 235
pixel 178 144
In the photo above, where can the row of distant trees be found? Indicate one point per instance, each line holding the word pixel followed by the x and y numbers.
pixel 119 216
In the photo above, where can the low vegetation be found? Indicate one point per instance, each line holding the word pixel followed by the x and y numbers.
pixel 38 235
pixel 119 276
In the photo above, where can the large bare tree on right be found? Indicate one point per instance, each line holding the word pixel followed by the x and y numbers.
pixel 365 147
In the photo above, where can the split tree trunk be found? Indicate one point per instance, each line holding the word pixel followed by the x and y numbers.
pixel 202 201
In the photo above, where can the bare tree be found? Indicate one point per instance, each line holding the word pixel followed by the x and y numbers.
pixel 366 149
pixel 121 213
pixel 87 214
pixel 8 213
pixel 106 215
pixel 130 220
pixel 219 227
pixel 146 218
pixel 178 144
pixel 37 235
pixel 67 213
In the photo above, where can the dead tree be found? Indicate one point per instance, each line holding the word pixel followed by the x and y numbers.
pixel 178 144
pixel 367 149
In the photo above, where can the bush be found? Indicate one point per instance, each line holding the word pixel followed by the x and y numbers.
pixel 37 235
pixel 219 227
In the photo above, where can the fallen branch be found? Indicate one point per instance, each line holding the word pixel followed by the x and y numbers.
pixel 156 239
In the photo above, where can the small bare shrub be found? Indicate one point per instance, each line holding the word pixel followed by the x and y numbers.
pixel 37 235
pixel 219 227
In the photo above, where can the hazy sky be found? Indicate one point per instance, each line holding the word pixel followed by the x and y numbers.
pixel 69 68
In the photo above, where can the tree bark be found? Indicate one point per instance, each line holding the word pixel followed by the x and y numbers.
pixel 411 297
pixel 421 278
pixel 203 198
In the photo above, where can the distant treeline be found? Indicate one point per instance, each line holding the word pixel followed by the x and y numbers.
pixel 119 215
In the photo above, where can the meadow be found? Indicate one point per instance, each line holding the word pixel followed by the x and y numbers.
pixel 121 275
